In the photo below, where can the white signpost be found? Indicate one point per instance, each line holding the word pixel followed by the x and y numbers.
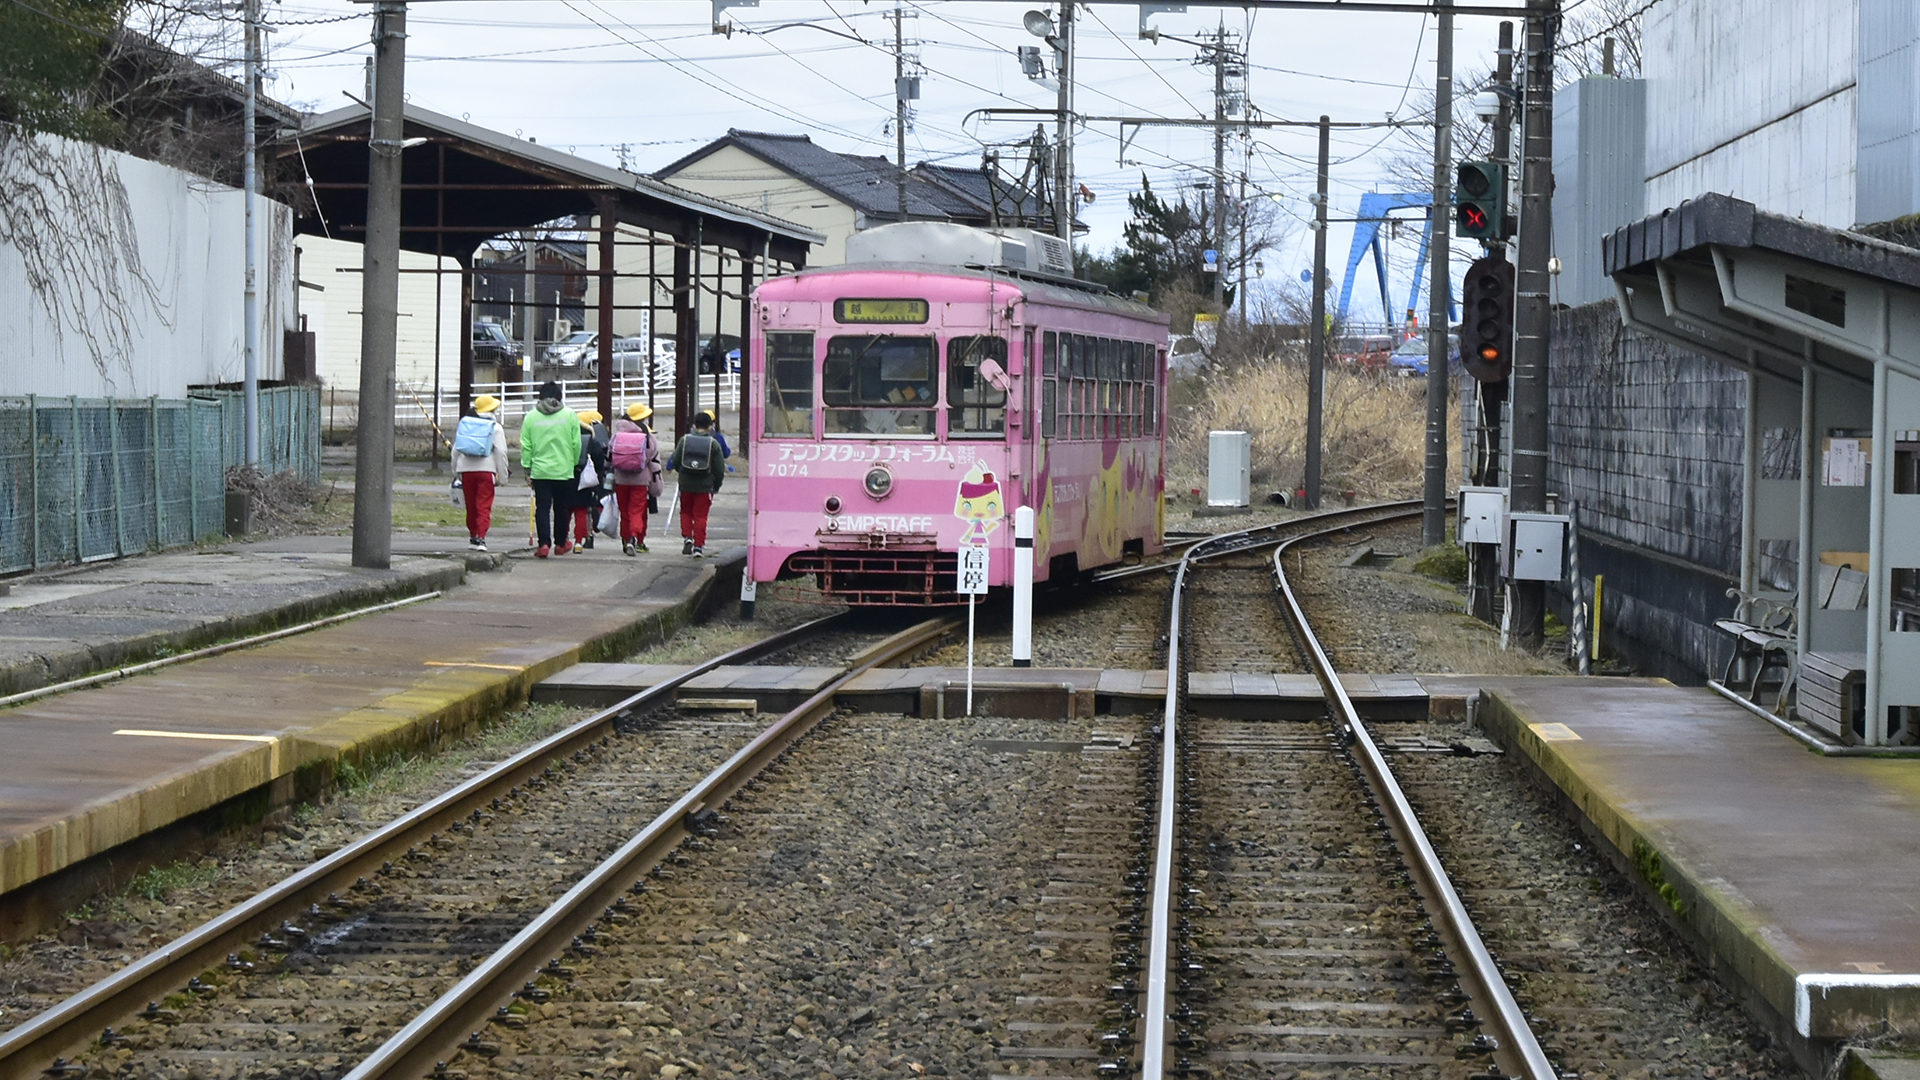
pixel 1023 587
pixel 972 583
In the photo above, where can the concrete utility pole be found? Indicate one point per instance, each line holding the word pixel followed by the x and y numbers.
pixel 1219 57
pixel 1433 515
pixel 1493 395
pixel 1063 137
pixel 900 104
pixel 1533 315
pixel 1317 333
pixel 250 372
pixel 1241 292
pixel 380 296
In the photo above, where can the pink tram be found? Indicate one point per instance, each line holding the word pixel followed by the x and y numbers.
pixel 909 401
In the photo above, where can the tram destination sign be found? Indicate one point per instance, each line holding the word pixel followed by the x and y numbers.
pixel 891 310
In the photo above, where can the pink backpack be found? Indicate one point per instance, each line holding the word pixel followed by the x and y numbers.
pixel 632 451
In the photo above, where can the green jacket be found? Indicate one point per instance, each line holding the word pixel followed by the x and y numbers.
pixel 550 443
pixel 697 482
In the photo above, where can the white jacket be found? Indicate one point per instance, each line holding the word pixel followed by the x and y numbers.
pixel 495 463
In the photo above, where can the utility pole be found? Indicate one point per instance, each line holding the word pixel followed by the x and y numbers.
pixel 900 104
pixel 1241 292
pixel 1063 201
pixel 1533 315
pixel 250 372
pixel 1317 333
pixel 1493 395
pixel 1219 57
pixel 1433 515
pixel 380 295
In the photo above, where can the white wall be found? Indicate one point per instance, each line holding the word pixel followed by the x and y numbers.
pixel 1755 99
pixel 334 315
pixel 732 174
pixel 121 277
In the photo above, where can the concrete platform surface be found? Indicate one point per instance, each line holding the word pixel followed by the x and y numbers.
pixel 1797 871
pixel 87 771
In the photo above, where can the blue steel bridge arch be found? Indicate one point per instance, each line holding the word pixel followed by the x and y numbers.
pixel 1374 208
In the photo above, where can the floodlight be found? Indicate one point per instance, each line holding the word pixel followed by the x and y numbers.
pixel 1037 23
pixel 1486 105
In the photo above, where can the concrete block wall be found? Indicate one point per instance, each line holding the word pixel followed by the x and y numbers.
pixel 1648 439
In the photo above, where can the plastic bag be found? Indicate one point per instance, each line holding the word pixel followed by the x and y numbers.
pixel 589 476
pixel 457 493
pixel 609 522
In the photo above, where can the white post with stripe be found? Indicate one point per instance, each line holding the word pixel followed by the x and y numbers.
pixel 1023 587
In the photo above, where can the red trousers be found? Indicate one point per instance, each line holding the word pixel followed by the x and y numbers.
pixel 583 522
pixel 693 515
pixel 632 500
pixel 478 488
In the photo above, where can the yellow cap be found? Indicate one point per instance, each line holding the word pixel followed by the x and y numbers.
pixel 485 403
pixel 637 412
pixel 589 417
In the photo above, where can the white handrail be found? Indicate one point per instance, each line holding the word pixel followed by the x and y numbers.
pixel 413 404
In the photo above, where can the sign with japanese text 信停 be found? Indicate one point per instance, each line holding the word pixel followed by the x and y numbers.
pixel 973 572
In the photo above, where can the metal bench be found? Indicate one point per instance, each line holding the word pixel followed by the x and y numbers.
pixel 1765 649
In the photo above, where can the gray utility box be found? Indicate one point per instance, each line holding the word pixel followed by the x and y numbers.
pixel 1482 509
pixel 1229 468
pixel 1535 547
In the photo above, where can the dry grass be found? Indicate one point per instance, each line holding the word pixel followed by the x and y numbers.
pixel 1375 428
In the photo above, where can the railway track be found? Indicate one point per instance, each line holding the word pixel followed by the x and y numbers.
pixel 333 964
pixel 1290 909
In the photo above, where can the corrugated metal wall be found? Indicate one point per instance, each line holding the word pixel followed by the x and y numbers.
pixel 1599 170
pixel 1648 439
pixel 1889 120
pixel 1756 99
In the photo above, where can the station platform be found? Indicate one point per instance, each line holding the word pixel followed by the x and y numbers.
pixel 88 771
pixel 1794 870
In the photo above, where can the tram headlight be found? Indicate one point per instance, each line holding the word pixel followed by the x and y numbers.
pixel 833 504
pixel 878 482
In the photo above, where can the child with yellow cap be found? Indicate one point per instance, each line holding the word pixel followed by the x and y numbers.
pixel 480 460
pixel 594 441
pixel 636 475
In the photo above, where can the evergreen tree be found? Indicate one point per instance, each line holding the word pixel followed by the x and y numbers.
pixel 51 53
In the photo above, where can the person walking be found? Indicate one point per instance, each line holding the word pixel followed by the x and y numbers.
pixel 550 454
pixel 636 475
pixel 480 460
pixel 701 470
pixel 594 441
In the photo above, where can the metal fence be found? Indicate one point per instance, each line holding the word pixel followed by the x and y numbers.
pixel 413 404
pixel 83 479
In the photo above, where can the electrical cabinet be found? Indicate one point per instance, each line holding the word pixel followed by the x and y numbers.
pixel 1229 468
pixel 1535 547
pixel 1482 509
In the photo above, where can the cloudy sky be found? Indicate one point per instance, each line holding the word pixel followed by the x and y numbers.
pixel 646 81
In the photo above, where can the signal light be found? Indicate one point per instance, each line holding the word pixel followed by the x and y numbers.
pixel 1486 319
pixel 1480 200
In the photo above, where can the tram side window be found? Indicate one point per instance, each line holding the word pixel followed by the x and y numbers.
pixel 879 385
pixel 974 405
pixel 1049 402
pixel 790 384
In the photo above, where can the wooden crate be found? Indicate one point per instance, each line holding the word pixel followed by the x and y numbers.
pixel 1831 694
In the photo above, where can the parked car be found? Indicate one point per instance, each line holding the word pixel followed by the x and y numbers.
pixel 491 345
pixel 630 357
pixel 577 349
pixel 1410 358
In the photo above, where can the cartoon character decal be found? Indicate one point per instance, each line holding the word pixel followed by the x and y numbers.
pixel 979 504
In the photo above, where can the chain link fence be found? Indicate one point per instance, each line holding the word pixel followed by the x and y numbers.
pixel 83 479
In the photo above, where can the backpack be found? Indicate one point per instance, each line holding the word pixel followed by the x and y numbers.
pixel 630 451
pixel 474 437
pixel 696 454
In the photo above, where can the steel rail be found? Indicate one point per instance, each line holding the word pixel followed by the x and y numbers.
pixel 1154 1007
pixel 32 1046
pixel 1518 1052
pixel 416 1049
pixel 1246 539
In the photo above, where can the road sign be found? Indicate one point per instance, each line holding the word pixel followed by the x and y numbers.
pixel 973 572
pixel 1212 260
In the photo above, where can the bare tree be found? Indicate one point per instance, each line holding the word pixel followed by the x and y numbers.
pixel 1584 34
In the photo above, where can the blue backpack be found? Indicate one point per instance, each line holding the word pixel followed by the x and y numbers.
pixel 474 436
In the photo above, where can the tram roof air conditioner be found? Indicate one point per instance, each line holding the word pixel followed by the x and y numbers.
pixel 944 243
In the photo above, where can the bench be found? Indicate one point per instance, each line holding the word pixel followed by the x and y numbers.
pixel 1764 648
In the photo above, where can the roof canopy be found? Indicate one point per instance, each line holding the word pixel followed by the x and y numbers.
pixel 469 184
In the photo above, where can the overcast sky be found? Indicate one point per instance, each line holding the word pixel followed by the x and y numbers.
pixel 648 79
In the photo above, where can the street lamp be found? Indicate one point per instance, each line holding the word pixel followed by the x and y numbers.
pixel 1038 23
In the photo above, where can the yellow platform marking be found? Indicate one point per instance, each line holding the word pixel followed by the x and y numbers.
pixel 199 735
pixel 1554 732
pixel 470 663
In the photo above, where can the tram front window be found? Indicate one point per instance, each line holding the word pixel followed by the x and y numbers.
pixel 879 385
pixel 977 386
